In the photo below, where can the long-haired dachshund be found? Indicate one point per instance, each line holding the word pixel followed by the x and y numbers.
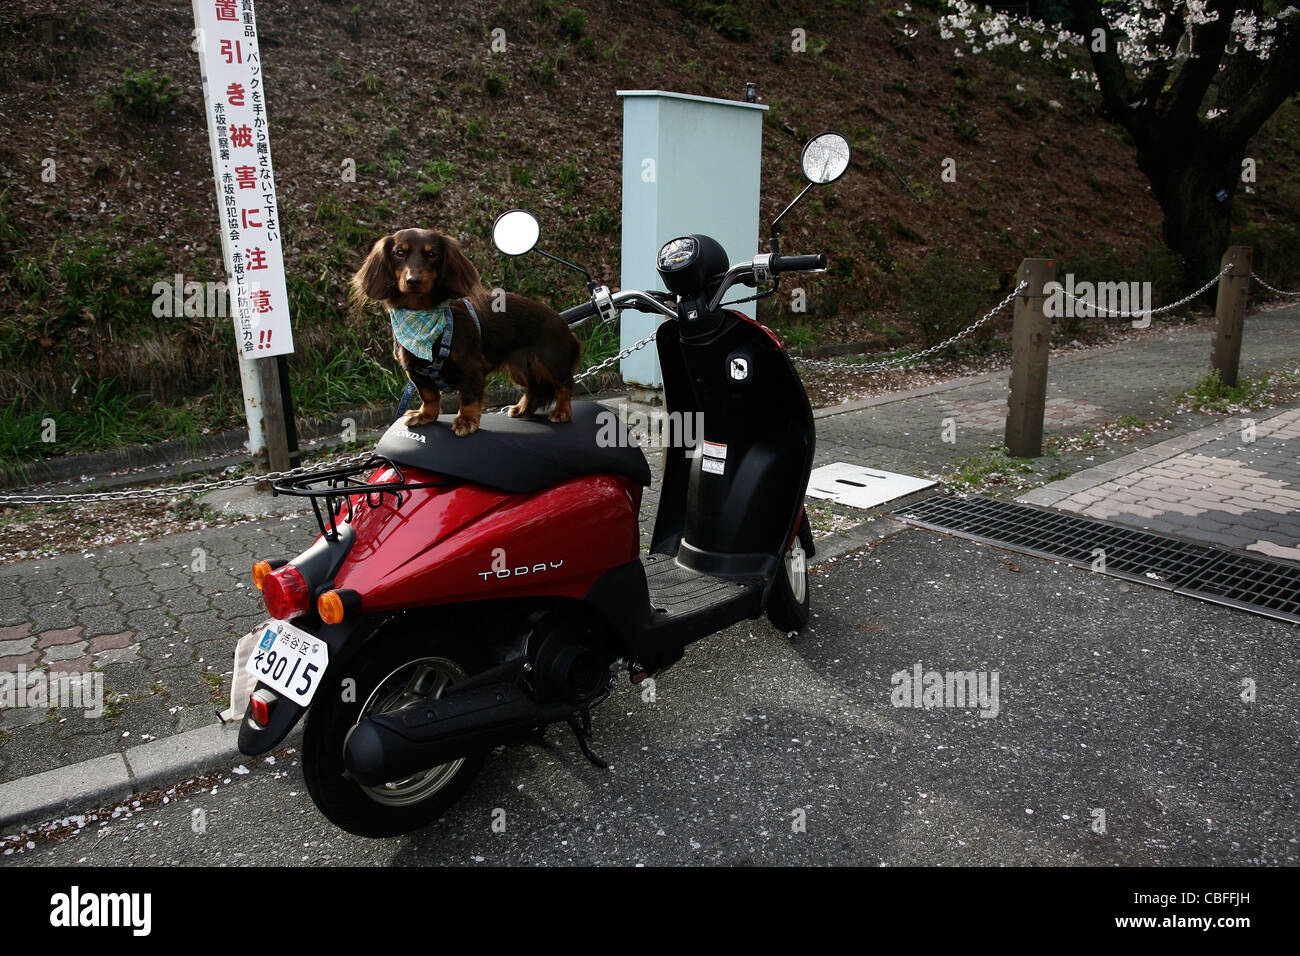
pixel 427 285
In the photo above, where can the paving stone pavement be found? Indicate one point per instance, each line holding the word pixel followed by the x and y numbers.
pixel 991 414
pixel 1239 487
pixel 159 619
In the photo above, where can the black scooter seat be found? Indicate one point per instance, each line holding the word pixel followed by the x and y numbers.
pixel 521 455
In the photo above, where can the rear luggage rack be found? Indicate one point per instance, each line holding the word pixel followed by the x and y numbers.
pixel 341 484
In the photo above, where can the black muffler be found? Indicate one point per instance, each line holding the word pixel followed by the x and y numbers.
pixel 398 744
pixel 498 706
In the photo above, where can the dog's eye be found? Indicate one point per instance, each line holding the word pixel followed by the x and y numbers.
pixel 399 253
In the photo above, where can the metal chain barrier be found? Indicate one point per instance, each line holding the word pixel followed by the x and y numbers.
pixel 192 487
pixel 614 358
pixel 1164 308
pixel 1256 277
pixel 916 356
pixel 195 487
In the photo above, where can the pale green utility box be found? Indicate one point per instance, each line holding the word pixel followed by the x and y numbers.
pixel 691 164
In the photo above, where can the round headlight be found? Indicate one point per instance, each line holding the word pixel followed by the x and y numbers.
pixel 677 254
pixel 688 265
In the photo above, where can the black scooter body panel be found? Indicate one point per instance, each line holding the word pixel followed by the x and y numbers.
pixel 343 640
pixel 674 606
pixel 722 528
pixel 737 513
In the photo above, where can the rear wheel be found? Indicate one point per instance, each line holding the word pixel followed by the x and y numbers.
pixel 787 606
pixel 396 668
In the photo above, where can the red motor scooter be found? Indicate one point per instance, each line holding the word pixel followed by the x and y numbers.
pixel 469 592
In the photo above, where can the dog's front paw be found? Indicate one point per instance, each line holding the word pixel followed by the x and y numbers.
pixel 416 416
pixel 463 426
pixel 561 415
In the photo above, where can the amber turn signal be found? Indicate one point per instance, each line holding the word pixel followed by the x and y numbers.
pixel 260 570
pixel 330 607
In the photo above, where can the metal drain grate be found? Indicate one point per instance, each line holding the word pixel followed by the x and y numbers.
pixel 1254 584
pixel 1224 577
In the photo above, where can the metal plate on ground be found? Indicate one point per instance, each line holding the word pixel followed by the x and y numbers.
pixel 860 487
pixel 1259 585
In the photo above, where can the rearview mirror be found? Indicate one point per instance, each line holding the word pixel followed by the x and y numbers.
pixel 825 158
pixel 516 232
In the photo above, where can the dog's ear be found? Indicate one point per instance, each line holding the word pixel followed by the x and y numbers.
pixel 457 274
pixel 376 278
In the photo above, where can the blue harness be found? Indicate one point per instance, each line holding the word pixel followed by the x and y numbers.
pixel 426 334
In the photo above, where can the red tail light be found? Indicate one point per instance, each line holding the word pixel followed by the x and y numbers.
pixel 286 593
pixel 260 710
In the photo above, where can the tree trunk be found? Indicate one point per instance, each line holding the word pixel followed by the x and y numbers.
pixel 1195 193
pixel 1191 162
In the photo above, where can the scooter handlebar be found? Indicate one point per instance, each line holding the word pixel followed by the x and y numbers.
pixel 653 302
pixel 578 313
pixel 799 263
pixel 662 303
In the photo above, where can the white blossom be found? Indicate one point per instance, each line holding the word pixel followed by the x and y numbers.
pixel 1136 30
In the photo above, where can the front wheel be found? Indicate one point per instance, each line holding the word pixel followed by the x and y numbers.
pixel 397 667
pixel 787 606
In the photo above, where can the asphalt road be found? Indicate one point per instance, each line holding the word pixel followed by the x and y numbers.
pixel 760 749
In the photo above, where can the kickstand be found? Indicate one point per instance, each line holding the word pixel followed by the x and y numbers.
pixel 582 730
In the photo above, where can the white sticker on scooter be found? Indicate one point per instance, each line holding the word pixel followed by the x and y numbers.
pixel 739 368
pixel 713 466
pixel 713 449
pixel 289 661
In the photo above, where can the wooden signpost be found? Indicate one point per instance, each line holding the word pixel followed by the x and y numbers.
pixel 234 94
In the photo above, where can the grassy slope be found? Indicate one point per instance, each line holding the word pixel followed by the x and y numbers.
pixel 445 133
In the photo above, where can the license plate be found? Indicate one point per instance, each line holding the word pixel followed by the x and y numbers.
pixel 289 660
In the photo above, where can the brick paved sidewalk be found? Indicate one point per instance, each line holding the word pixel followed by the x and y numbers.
pixel 162 632
pixel 1226 484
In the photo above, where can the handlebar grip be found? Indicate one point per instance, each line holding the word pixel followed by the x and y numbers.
pixel 799 263
pixel 579 312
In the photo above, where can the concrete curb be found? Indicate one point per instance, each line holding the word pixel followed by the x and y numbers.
pixel 102 781
pixel 179 458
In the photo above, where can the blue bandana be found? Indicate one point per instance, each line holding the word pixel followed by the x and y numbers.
pixel 416 330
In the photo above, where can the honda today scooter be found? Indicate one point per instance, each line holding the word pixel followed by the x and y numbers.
pixel 468 592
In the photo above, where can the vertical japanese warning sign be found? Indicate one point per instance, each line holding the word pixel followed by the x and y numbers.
pixel 234 92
